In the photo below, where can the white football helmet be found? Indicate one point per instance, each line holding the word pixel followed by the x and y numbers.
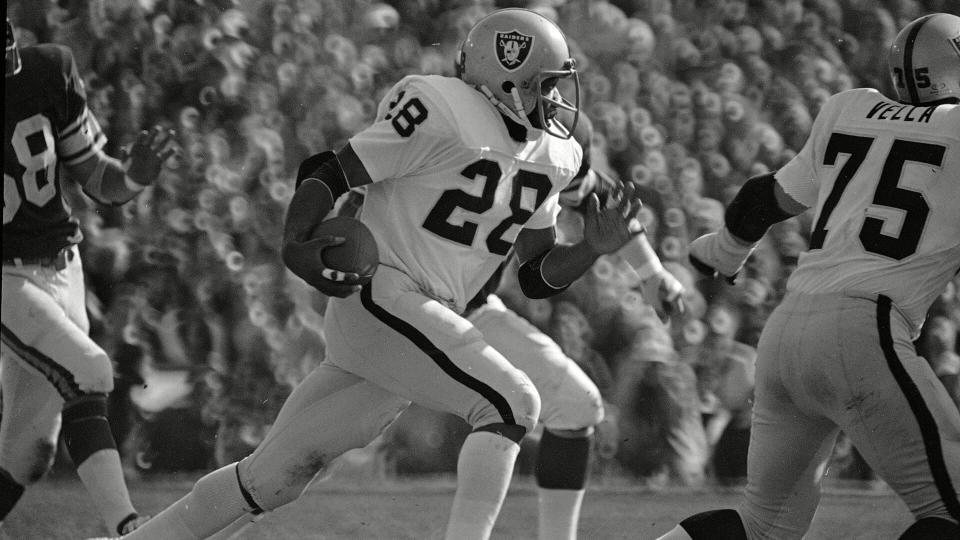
pixel 516 57
pixel 925 59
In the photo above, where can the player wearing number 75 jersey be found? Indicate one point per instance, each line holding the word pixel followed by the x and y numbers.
pixel 457 172
pixel 883 176
pixel 53 374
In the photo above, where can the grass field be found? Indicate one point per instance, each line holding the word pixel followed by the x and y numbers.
pixel 417 509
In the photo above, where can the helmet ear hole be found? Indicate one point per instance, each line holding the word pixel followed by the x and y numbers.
pixel 458 64
pixel 507 86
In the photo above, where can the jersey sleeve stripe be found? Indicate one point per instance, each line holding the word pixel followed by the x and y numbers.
pixel 76 124
pixel 83 141
pixel 86 152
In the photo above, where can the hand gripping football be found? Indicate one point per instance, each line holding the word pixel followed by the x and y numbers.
pixel 358 253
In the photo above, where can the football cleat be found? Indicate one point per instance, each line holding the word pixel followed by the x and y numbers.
pixel 924 59
pixel 516 58
pixel 12 53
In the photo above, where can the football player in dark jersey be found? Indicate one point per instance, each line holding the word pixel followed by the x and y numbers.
pixel 54 376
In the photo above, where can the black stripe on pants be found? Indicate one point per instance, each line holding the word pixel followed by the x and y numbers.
pixel 439 357
pixel 928 425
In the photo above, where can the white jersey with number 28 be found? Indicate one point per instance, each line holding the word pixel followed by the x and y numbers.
pixel 451 190
pixel 884 178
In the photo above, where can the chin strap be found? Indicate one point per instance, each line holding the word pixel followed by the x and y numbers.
pixel 505 109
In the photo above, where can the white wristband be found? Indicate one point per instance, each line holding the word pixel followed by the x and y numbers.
pixel 640 255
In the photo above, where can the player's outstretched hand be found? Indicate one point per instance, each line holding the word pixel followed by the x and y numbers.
pixel 665 293
pixel 719 254
pixel 144 159
pixel 329 281
pixel 608 229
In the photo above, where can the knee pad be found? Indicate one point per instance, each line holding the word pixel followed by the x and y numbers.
pixel 931 528
pixel 715 525
pixel 85 428
pixel 563 462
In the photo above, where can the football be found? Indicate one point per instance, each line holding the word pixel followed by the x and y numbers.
pixel 357 254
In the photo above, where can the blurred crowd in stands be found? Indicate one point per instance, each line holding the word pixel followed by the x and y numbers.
pixel 689 98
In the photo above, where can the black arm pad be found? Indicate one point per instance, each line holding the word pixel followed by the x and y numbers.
pixel 312 164
pixel 326 168
pixel 754 209
pixel 531 279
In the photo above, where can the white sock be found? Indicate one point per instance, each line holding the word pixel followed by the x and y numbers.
pixel 677 533
pixel 484 470
pixel 214 503
pixel 102 474
pixel 559 513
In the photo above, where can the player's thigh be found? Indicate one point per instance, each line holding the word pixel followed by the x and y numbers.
pixel 416 347
pixel 31 421
pixel 45 336
pixel 329 412
pixel 570 400
pixel 789 446
pixel 899 415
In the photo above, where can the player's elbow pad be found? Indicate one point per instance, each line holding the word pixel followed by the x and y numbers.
pixel 532 283
pixel 325 168
pixel 754 209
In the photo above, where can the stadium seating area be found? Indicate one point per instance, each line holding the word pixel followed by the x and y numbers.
pixel 689 99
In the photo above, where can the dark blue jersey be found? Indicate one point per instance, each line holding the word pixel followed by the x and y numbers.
pixel 46 124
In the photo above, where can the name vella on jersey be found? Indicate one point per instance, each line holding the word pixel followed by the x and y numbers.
pixel 886 110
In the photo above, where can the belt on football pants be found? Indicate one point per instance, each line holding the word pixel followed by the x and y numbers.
pixel 58 261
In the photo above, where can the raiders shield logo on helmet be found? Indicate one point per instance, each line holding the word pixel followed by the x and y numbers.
pixel 513 49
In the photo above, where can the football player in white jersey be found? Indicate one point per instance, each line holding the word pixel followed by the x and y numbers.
pixel 571 404
pixel 458 171
pixel 883 176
